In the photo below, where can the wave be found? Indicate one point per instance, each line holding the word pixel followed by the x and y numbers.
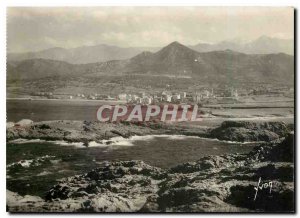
pixel 231 142
pixel 24 141
pixel 65 143
pixel 120 141
pixel 31 162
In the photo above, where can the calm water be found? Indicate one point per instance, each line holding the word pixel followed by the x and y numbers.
pixel 69 160
pixel 44 110
pixel 41 110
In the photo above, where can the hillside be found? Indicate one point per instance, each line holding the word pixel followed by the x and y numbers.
pixel 81 55
pixel 174 60
pixel 261 45
pixel 41 68
pixel 103 52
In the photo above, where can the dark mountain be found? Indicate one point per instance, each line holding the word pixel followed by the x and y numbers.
pixel 41 68
pixel 175 60
pixel 215 66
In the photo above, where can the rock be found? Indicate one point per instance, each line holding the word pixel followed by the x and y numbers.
pixel 285 150
pixel 243 131
pixel 74 131
pixel 20 165
pixel 281 199
pixel 212 184
pixel 18 203
pixel 24 122
pixel 41 126
pixel 10 124
pixel 279 151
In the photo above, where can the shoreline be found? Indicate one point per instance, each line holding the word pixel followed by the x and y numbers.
pixel 86 131
pixel 46 99
pixel 131 138
pixel 211 184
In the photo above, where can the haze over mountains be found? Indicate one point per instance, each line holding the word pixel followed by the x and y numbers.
pixel 262 45
pixel 82 55
pixel 102 53
pixel 174 60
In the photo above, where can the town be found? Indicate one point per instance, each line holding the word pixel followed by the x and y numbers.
pixel 203 95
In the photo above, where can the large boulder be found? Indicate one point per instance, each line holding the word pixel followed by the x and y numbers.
pixel 24 122
pixel 243 131
pixel 212 184
pixel 282 151
pixel 10 124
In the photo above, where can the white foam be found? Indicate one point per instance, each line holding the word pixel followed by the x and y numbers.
pixel 231 142
pixel 24 141
pixel 23 163
pixel 171 137
pixel 28 163
pixel 120 141
pixel 44 173
pixel 65 143
pixel 96 144
pixel 183 137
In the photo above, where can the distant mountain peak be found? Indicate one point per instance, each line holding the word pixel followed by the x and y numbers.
pixel 175 43
pixel 231 51
pixel 264 37
pixel 142 55
pixel 261 45
pixel 175 47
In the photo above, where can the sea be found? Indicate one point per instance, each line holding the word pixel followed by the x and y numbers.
pixel 59 159
pixel 27 175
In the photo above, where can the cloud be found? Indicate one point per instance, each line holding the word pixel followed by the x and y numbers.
pixel 41 28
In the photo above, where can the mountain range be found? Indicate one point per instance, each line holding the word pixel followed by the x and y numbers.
pixel 175 59
pixel 82 55
pixel 103 53
pixel 262 45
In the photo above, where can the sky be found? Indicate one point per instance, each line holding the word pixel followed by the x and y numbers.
pixel 34 29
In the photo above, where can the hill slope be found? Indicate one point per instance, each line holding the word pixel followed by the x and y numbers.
pixel 103 53
pixel 176 60
pixel 81 55
pixel 262 45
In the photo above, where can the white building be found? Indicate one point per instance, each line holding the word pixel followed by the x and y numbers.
pixel 234 93
pixel 147 100
pixel 176 97
pixel 122 97
pixel 197 98
pixel 168 98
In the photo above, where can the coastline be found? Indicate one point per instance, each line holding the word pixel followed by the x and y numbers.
pixel 211 184
pixel 74 100
pixel 86 131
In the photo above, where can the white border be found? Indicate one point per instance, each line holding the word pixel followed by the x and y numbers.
pixel 152 3
pixel 4 4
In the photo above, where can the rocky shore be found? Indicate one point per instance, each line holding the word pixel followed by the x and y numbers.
pixel 85 132
pixel 243 131
pixel 212 184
